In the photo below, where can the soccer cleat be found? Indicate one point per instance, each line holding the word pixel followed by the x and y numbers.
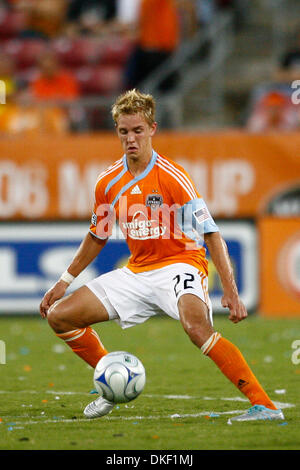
pixel 97 408
pixel 258 412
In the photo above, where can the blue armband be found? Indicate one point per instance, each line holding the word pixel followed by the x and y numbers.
pixel 195 220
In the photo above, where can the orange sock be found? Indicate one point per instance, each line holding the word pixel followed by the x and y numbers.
pixel 86 344
pixel 233 365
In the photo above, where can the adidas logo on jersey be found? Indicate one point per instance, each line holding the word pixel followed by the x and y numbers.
pixel 136 190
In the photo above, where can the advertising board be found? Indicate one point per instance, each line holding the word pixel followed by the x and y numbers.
pixel 42 178
pixel 280 262
pixel 34 255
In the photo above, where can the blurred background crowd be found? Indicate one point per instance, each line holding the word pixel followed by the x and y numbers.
pixel 62 62
pixel 226 78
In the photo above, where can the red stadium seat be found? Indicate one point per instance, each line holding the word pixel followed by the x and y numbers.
pixel 77 52
pixel 25 52
pixel 99 80
pixel 11 23
pixel 26 76
pixel 115 51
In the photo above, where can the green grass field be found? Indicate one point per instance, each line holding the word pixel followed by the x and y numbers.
pixel 44 388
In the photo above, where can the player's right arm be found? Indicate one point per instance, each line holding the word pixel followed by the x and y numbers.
pixel 100 230
pixel 89 248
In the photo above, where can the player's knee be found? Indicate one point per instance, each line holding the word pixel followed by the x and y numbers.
pixel 195 334
pixel 198 329
pixel 56 317
pixel 195 321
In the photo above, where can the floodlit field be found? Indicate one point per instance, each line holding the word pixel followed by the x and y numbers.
pixel 186 402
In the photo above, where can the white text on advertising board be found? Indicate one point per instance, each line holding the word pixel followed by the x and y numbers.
pixel 25 190
pixel 33 256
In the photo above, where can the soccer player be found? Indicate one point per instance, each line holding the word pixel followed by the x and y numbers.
pixel 164 220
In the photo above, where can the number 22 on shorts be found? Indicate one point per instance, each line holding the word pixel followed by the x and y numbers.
pixel 183 282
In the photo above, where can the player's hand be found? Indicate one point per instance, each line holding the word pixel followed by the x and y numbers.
pixel 52 295
pixel 236 308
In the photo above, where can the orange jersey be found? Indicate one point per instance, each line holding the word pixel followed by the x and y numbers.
pixel 159 212
pixel 62 86
pixel 159 26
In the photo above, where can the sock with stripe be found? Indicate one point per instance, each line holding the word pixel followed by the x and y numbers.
pixel 85 343
pixel 231 362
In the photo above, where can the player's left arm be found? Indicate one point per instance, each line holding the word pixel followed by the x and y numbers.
pixel 194 217
pixel 219 254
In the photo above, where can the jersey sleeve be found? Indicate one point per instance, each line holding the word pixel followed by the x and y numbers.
pixel 193 215
pixel 195 219
pixel 181 186
pixel 103 217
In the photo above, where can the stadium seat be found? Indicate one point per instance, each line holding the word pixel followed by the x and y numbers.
pixel 11 23
pixel 77 52
pixel 27 75
pixel 99 80
pixel 25 52
pixel 115 51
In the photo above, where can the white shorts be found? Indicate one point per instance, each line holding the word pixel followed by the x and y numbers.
pixel 131 298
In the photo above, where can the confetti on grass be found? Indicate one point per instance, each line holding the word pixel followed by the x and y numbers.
pixel 24 351
pixel 58 348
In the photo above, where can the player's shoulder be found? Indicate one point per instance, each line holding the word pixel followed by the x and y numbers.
pixel 171 167
pixel 175 178
pixel 109 173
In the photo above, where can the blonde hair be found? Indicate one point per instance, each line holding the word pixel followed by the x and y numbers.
pixel 133 102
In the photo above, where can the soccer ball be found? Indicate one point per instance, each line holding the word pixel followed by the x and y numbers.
pixel 119 377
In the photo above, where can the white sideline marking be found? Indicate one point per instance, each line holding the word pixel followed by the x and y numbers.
pixel 169 397
pixel 126 418
pixel 132 418
pixel 41 419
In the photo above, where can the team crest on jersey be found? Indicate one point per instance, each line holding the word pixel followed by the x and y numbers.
pixel 154 201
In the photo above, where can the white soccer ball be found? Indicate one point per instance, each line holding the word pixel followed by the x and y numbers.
pixel 119 377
